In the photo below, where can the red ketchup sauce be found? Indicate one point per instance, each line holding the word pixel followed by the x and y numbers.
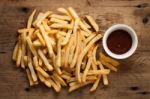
pixel 119 42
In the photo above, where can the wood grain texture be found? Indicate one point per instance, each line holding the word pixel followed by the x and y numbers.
pixel 132 81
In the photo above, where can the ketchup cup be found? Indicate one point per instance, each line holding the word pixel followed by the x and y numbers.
pixel 130 31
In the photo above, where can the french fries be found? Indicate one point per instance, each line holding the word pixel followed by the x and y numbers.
pixel 29 24
pixel 60 50
pixel 93 23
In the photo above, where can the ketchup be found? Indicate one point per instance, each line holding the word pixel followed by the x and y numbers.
pixel 119 42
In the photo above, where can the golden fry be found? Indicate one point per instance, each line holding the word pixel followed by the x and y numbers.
pixel 18 61
pixel 30 44
pixel 86 69
pixel 95 85
pixel 30 19
pixel 33 74
pixel 98 72
pixel 14 57
pixel 29 77
pixel 93 23
pixel 76 86
pixel 62 17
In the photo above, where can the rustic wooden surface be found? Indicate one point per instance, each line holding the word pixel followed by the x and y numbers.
pixel 132 81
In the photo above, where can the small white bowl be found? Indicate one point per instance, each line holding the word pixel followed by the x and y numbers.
pixel 132 34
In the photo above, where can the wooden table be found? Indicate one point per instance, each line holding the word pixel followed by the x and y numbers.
pixel 132 81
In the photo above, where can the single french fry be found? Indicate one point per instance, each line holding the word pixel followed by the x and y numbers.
pixel 72 50
pixel 30 44
pixel 61 26
pixel 105 78
pixel 61 17
pixel 76 25
pixel 30 19
pixel 72 88
pixel 98 72
pixel 14 56
pixel 93 23
pixel 57 69
pixel 24 30
pixel 55 20
pixel 62 58
pixel 45 61
pixel 23 47
pixel 81 56
pixel 91 77
pixel 31 83
pixel 18 61
pixel 86 69
pixel 48 43
pixel 58 57
pixel 95 85
pixel 63 10
pixel 94 55
pixel 40 38
pixel 73 13
pixel 74 60
pixel 33 74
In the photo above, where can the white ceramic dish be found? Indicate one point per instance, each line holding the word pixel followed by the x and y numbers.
pixel 132 34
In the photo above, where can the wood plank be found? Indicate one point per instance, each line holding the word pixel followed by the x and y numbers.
pixel 131 81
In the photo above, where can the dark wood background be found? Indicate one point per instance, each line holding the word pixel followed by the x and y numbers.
pixel 132 81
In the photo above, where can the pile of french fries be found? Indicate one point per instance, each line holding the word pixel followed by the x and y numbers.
pixel 59 49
